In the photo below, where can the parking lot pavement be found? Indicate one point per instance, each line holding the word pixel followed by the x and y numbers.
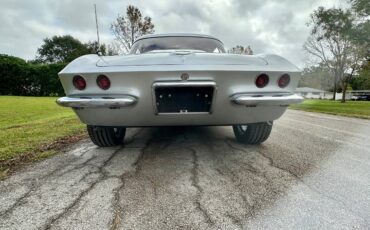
pixel 312 173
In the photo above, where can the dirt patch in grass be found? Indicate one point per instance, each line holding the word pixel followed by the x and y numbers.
pixel 33 128
pixel 7 167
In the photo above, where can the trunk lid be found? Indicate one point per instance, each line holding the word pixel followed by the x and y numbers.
pixel 180 57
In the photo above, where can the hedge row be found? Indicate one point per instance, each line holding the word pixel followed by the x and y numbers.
pixel 21 78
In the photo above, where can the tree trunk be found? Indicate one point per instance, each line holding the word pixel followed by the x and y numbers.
pixel 334 91
pixel 344 90
pixel 335 86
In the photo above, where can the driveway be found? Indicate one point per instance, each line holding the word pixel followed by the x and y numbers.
pixel 312 173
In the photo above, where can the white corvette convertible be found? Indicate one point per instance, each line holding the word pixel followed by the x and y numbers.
pixel 176 80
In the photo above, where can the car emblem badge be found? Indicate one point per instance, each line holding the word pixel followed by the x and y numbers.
pixel 184 76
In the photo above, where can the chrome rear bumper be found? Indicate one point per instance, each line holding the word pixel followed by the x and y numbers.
pixel 102 111
pixel 251 100
pixel 97 102
pixel 266 100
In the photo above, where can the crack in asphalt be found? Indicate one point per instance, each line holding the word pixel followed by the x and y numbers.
pixel 235 220
pixel 196 185
pixel 195 182
pixel 118 210
pixel 312 188
pixel 103 176
pixel 299 179
pixel 271 162
pixel 117 218
pixel 33 185
pixel 262 166
pixel 66 164
pixel 247 206
pixel 16 204
pixel 84 150
pixel 79 166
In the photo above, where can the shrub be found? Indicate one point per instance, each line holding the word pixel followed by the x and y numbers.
pixel 29 79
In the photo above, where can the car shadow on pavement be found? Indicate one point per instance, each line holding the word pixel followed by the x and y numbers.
pixel 225 181
pixel 160 178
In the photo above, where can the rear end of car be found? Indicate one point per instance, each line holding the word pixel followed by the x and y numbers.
pixel 172 80
pixel 172 95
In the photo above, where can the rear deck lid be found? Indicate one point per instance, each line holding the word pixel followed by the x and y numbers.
pixel 180 58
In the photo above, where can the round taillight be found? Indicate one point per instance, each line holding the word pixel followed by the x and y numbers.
pixel 79 82
pixel 262 80
pixel 284 80
pixel 103 82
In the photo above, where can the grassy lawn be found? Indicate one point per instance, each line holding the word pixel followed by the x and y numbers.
pixel 29 125
pixel 360 109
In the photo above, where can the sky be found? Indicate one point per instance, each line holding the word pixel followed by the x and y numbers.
pixel 271 26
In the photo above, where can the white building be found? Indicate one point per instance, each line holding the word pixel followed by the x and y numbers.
pixel 311 93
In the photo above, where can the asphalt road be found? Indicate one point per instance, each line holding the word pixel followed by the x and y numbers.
pixel 312 173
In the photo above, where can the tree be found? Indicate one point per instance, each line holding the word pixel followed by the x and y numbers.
pixel 112 49
pixel 64 49
pixel 61 49
pixel 362 7
pixel 318 77
pixel 361 27
pixel 331 42
pixel 362 81
pixel 95 48
pixel 241 50
pixel 128 28
pixel 13 75
pixel 23 78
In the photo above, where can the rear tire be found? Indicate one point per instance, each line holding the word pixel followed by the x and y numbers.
pixel 106 136
pixel 254 133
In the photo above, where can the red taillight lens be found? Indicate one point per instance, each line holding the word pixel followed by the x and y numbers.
pixel 262 80
pixel 284 80
pixel 79 82
pixel 103 82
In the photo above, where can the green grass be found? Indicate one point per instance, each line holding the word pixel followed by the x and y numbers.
pixel 360 109
pixel 28 124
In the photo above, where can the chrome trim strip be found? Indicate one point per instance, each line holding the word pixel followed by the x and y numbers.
pixel 266 100
pixel 187 113
pixel 97 102
pixel 183 84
